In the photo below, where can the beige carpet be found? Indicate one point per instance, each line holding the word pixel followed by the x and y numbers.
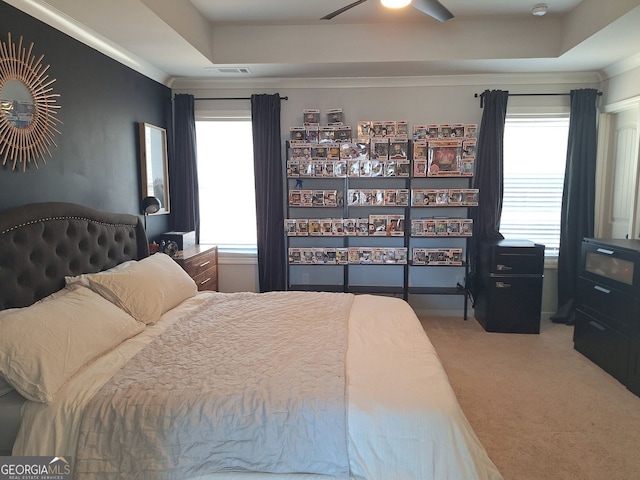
pixel 541 409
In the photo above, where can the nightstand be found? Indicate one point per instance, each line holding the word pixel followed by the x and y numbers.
pixel 201 263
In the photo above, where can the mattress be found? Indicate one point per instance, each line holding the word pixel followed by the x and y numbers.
pixel 404 421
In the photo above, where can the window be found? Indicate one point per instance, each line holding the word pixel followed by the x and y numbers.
pixel 535 151
pixel 226 183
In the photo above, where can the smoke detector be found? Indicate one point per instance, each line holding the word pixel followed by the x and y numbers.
pixel 539 9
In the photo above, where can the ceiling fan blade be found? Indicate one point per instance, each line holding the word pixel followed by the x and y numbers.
pixel 433 8
pixel 342 10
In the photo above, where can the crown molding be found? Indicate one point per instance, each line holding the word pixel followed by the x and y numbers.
pixel 622 67
pixel 480 81
pixel 65 24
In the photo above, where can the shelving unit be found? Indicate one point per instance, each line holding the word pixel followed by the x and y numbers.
pixel 450 279
pixel 322 277
pixel 390 276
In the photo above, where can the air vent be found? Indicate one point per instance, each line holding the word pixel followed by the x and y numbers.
pixel 230 70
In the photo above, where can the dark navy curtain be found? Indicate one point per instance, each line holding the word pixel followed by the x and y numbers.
pixel 183 182
pixel 267 158
pixel 578 198
pixel 488 179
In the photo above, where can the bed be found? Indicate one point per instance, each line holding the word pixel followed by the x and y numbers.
pixel 111 356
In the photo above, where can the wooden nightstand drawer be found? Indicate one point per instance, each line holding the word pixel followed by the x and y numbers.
pixel 207 280
pixel 201 263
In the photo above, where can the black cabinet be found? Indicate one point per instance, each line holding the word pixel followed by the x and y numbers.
pixel 607 329
pixel 510 296
pixel 633 378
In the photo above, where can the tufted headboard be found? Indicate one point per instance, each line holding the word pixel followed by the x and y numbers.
pixel 41 243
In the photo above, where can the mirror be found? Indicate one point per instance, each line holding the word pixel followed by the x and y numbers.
pixel 28 121
pixel 153 165
pixel 16 103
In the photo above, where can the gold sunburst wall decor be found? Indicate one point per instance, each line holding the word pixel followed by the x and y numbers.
pixel 28 121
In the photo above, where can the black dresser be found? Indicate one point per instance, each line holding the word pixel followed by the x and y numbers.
pixel 510 295
pixel 607 329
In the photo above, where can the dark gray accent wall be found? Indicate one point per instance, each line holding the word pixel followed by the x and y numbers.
pixel 96 161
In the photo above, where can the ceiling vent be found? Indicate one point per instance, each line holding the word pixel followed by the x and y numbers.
pixel 230 70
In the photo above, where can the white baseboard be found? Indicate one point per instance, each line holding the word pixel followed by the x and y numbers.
pixel 443 312
pixel 459 312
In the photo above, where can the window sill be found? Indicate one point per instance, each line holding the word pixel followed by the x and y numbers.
pixel 237 255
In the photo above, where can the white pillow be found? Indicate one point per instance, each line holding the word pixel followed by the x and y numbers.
pixel 146 289
pixel 84 279
pixel 44 345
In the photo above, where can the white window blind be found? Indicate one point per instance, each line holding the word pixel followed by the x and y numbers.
pixel 535 150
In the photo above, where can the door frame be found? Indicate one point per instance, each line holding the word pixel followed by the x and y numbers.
pixel 605 167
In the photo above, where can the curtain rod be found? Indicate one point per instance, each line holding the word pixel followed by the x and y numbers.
pixel 476 95
pixel 232 98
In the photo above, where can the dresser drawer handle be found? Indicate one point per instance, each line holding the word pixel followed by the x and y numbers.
pixel 205 281
pixel 604 250
pixel 503 285
pixel 601 289
pixel 597 326
pixel 205 263
pixel 503 268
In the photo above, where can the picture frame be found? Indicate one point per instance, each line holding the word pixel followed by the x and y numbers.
pixel 154 170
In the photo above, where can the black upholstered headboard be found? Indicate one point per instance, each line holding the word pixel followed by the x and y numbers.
pixel 41 243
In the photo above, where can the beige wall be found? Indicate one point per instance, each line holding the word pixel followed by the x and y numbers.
pixel 237 273
pixel 622 86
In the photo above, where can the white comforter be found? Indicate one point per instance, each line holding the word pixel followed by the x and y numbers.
pixel 250 382
pixel 404 421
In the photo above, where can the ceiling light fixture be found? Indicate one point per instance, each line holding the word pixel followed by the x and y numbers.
pixel 540 9
pixel 395 3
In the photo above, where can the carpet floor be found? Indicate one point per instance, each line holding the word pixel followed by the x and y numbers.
pixel 541 409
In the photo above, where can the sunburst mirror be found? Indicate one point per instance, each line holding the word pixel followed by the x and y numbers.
pixel 28 107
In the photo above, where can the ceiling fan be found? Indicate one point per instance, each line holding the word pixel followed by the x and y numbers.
pixel 433 8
